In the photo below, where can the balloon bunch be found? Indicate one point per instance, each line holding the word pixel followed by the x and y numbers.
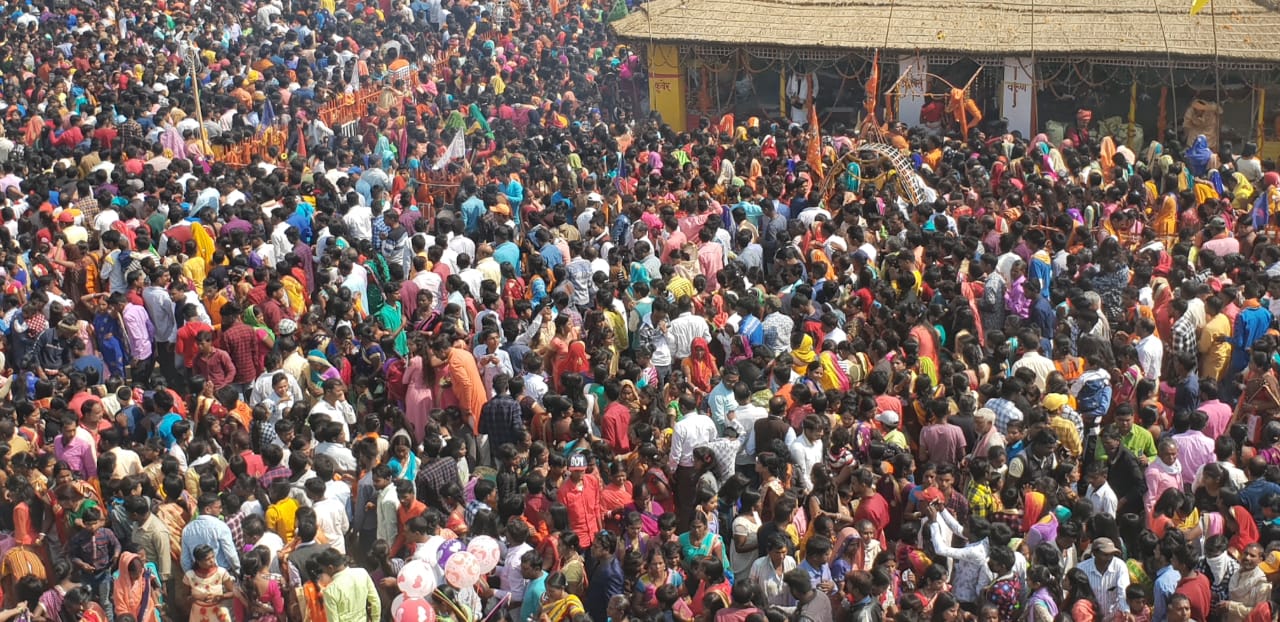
pixel 462 567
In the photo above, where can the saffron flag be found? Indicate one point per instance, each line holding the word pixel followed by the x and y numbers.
pixel 457 149
pixel 873 87
pixel 1197 6
pixel 814 155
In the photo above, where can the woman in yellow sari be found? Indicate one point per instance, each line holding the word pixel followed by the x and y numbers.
pixel 558 605
pixel 802 354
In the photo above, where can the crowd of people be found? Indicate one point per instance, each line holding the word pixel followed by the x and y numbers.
pixel 731 374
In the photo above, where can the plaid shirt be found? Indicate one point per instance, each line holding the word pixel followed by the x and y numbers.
pixel 474 507
pixel 276 473
pixel 434 475
pixel 88 207
pixel 500 419
pixel 131 132
pixel 1185 340
pixel 1005 411
pixel 983 503
pixel 241 342
pixel 96 548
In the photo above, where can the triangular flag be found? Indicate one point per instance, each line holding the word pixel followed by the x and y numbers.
pixel 618 11
pixel 1198 5
pixel 457 149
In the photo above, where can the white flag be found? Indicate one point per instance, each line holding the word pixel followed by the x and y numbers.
pixel 457 149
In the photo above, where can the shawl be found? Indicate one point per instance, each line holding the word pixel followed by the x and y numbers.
pixel 1242 193
pixel 576 361
pixel 563 609
pixel 250 317
pixel 131 595
pixel 1246 528
pixel 1107 158
pixel 833 375
pixel 745 355
pixel 1198 156
pixel 803 355
pixel 701 371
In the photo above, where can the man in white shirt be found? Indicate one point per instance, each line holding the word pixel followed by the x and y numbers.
pixel 1150 349
pixel 1108 576
pixel 694 429
pixel 331 516
pixel 334 404
pixel 1099 492
pixel 1041 365
pixel 806 450
pixel 685 328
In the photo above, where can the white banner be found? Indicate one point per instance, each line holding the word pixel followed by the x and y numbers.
pixel 1016 100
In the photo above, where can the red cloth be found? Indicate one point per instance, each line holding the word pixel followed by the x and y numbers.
pixel 1196 589
pixel 876 510
pixel 585 516
pixel 614 427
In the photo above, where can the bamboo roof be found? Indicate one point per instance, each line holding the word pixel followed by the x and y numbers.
pixel 1247 30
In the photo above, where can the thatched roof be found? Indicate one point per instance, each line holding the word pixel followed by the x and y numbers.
pixel 1248 30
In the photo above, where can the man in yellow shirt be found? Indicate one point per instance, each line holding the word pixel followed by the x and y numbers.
pixel 282 515
pixel 1215 344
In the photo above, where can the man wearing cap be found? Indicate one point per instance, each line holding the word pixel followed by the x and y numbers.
pixel 1068 434
pixel 1108 576
pixel 888 421
pixel 1218 239
pixel 53 347
pixel 581 495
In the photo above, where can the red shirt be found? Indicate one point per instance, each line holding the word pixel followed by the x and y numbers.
pixel 876 510
pixel 617 421
pixel 186 347
pixel 584 506
pixel 1196 589
pixel 216 367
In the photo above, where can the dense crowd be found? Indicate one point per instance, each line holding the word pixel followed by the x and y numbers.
pixel 583 367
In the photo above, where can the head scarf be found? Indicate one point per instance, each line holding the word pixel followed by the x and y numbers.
pixel 633 403
pixel 1198 156
pixel 1107 158
pixel 576 361
pixel 134 595
pixel 745 344
pixel 833 375
pixel 701 370
pixel 803 355
pixel 250 317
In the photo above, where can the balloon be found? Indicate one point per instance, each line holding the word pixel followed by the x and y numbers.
pixel 417 610
pixel 447 550
pixel 416 579
pixel 462 570
pixel 427 550
pixel 487 553
pixel 397 607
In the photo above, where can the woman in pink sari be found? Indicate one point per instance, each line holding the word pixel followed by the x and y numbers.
pixel 137 589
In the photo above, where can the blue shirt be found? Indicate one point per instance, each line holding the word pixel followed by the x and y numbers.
pixel 1166 583
pixel 472 209
pixel 1252 494
pixel 606 582
pixel 533 597
pixel 552 256
pixel 508 252
pixel 212 531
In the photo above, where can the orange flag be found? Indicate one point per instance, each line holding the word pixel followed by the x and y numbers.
pixel 873 87
pixel 814 155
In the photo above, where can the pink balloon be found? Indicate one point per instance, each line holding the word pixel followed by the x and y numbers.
pixel 417 610
pixel 462 571
pixel 488 554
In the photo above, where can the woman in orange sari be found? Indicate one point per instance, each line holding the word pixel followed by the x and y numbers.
pixel 136 590
pixel 27 555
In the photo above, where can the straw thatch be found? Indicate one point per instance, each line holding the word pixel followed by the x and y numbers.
pixel 1247 30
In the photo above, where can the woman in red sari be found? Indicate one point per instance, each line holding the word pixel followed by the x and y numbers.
pixel 700 367
pixel 571 359
pixel 618 492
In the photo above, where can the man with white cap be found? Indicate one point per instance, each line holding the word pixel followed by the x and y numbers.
pixel 892 435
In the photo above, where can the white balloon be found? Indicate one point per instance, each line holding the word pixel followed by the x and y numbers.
pixel 417 579
pixel 487 552
pixel 427 551
pixel 397 608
